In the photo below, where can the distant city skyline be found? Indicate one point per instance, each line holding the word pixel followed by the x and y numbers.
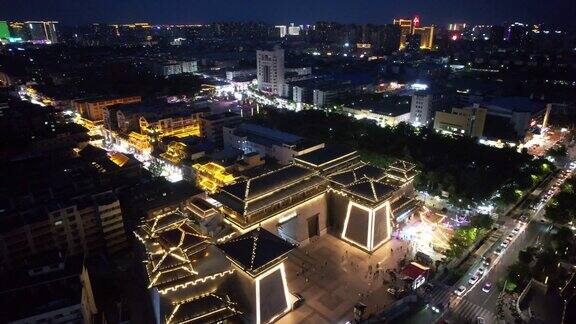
pixel 440 12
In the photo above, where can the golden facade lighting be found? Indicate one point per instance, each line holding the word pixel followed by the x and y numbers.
pixel 212 176
pixel 176 152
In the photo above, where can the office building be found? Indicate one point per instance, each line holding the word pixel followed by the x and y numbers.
pixel 53 288
pixel 387 111
pixel 4 32
pixel 18 31
pixel 421 108
pixel 457 27
pixel 42 32
pixel 426 36
pixel 212 126
pixel 293 30
pixel 174 67
pixel 281 30
pixel 405 30
pixel 467 121
pixel 270 70
pixel 281 146
pixel 520 112
pixel 411 27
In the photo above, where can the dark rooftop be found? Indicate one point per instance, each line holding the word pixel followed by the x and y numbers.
pixel 325 155
pixel 254 250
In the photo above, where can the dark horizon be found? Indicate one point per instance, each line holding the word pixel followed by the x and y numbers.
pixel 557 13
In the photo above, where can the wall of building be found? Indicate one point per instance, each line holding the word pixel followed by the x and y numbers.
pixel 296 228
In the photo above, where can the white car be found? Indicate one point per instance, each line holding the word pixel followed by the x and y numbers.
pixel 504 244
pixel 460 291
pixel 516 230
pixel 510 237
pixel 480 271
pixel 473 280
pixel 487 286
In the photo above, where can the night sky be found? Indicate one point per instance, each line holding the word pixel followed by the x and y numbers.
pixel 557 12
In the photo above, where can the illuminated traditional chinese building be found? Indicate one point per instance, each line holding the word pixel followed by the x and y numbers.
pixel 184 271
pixel 361 204
pixel 289 201
pixel 297 201
pixel 212 176
pixel 193 280
pixel 175 153
pixel 258 260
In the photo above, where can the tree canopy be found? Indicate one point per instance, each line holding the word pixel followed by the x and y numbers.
pixel 468 171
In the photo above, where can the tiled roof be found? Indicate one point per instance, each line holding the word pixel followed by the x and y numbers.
pixel 325 155
pixel 210 308
pixel 254 187
pixel 371 190
pixel 362 171
pixel 256 249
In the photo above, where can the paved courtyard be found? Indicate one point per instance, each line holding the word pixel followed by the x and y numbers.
pixel 333 276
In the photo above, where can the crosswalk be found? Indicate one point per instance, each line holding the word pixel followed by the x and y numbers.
pixel 440 295
pixel 468 312
pixel 460 309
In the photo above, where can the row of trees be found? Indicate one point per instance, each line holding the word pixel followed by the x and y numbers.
pixel 465 236
pixel 562 207
pixel 527 177
pixel 541 263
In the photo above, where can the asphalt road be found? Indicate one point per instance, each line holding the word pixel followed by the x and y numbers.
pixel 475 303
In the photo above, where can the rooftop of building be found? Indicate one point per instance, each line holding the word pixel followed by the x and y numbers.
pixel 43 288
pixel 225 115
pixel 391 106
pixel 371 191
pixel 325 155
pixel 253 195
pixel 335 81
pixel 96 99
pixel 267 133
pixel 414 270
pixel 256 250
pixel 360 172
pixel 156 106
pixel 211 308
pixel 514 104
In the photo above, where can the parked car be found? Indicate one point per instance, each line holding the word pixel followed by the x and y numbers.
pixel 460 291
pixel 473 279
pixel 487 286
pixel 487 261
pixel 498 251
pixel 480 271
